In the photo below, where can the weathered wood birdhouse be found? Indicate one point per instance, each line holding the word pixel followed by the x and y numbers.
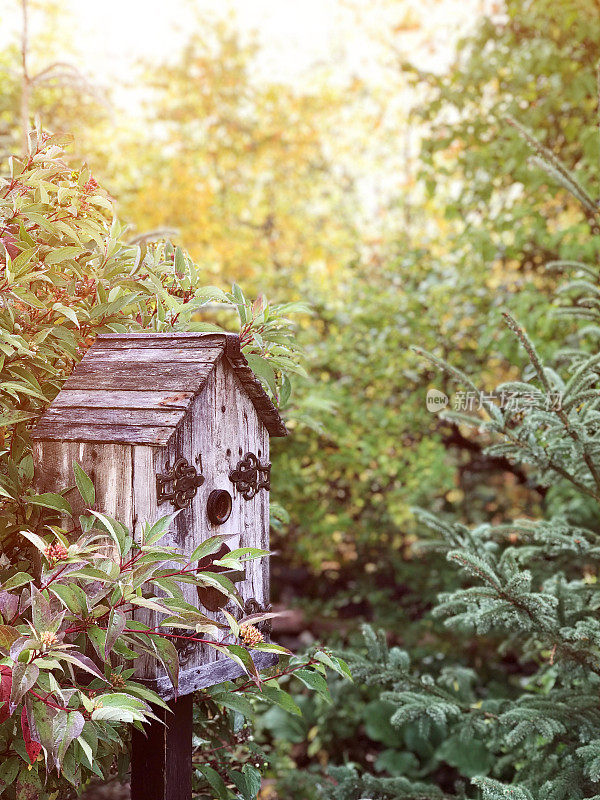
pixel 163 422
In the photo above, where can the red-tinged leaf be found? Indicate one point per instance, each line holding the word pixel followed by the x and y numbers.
pixel 8 635
pixel 30 736
pixel 73 728
pixel 252 619
pixel 78 660
pixel 9 604
pixel 5 689
pixel 115 627
pixel 24 677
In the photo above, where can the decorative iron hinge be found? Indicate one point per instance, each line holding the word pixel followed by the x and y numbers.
pixel 179 485
pixel 250 476
pixel 185 646
pixel 252 606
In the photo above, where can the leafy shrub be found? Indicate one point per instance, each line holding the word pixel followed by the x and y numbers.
pixel 67 274
pixel 75 621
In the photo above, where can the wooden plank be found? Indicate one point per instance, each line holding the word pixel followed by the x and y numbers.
pixel 161 754
pixel 133 434
pixel 145 510
pixel 126 368
pixel 158 355
pixel 111 382
pixel 109 467
pixel 164 336
pixel 133 400
pixel 113 416
pixel 147 339
pixel 192 680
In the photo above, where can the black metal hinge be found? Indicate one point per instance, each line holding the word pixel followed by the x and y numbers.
pixel 179 485
pixel 250 476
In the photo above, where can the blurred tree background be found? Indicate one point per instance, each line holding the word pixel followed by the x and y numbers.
pixel 399 202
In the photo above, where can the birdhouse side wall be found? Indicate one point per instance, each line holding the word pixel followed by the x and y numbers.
pixel 109 466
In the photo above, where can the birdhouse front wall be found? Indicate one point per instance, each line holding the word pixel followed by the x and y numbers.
pixel 108 465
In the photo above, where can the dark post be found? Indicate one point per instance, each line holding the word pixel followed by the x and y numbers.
pixel 161 760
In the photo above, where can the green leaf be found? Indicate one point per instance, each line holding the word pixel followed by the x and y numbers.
pixel 214 780
pixel 210 546
pixel 236 702
pixel 62 254
pixel 115 627
pixel 36 540
pixel 248 781
pixel 313 680
pixel 114 529
pixel 42 615
pixel 51 500
pixel 8 771
pixel 169 657
pixel 92 573
pixel 85 485
pixel 274 694
pixel 71 596
pixel 179 263
pixel 158 530
pixel 336 664
pixel 73 728
pixel 20 578
pixel 261 367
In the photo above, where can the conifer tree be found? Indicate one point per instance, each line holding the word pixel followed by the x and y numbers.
pixel 528 587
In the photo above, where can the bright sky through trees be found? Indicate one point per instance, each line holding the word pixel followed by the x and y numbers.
pixel 344 36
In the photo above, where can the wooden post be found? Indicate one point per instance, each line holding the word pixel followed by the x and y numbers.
pixel 161 760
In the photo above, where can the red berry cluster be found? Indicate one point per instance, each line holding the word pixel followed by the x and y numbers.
pixel 56 552
pixel 85 287
pixel 91 186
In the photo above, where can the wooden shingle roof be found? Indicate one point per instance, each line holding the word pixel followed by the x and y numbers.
pixel 135 388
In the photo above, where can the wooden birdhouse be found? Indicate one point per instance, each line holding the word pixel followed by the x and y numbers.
pixel 163 422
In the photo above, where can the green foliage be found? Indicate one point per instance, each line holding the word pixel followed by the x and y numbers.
pixel 529 585
pixel 227 714
pixel 66 274
pixel 532 61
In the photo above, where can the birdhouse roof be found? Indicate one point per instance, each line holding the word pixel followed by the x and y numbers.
pixel 136 388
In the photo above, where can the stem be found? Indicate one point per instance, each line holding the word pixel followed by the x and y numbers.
pixel 26 82
pixel 170 636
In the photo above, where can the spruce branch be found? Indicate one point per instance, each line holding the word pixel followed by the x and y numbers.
pixel 540 372
pixel 566 265
pixel 556 166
